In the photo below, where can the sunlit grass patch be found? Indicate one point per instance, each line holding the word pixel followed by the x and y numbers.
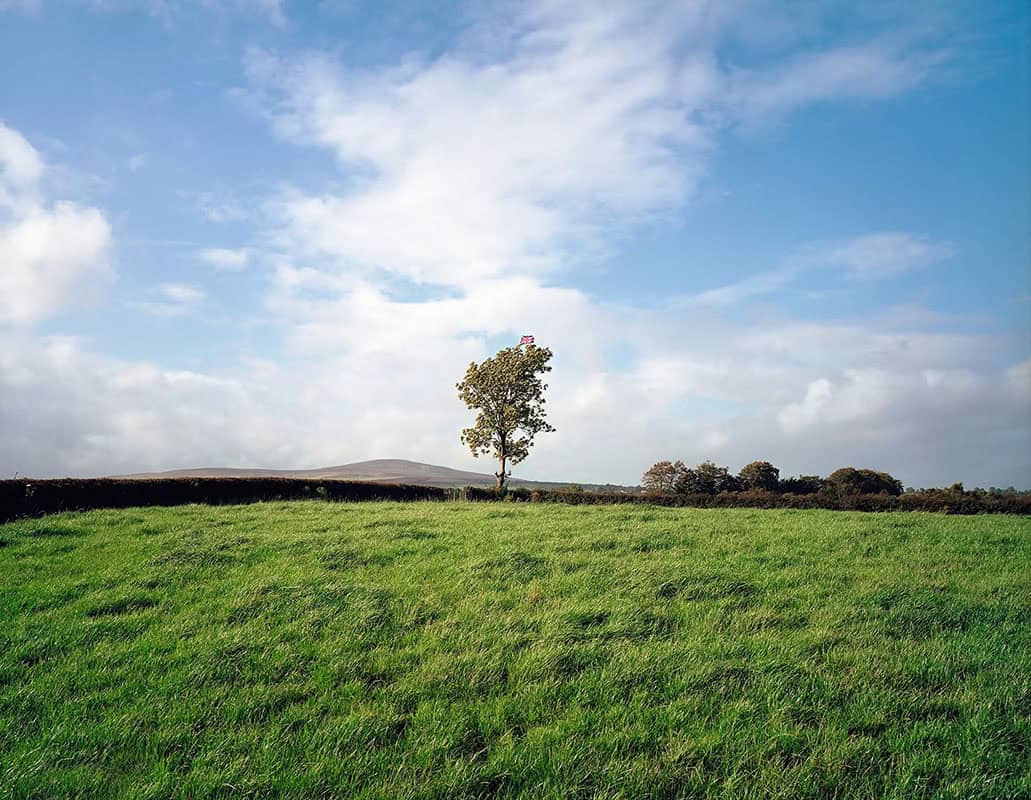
pixel 389 650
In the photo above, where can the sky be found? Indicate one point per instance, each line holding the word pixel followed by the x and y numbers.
pixel 274 233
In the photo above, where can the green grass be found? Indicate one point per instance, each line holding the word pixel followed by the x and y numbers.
pixel 494 650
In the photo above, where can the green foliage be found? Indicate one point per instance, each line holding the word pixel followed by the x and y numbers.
pixel 474 650
pixel 707 478
pixel 759 475
pixel 863 481
pixel 802 484
pixel 22 497
pixel 663 477
pixel 668 477
pixel 508 396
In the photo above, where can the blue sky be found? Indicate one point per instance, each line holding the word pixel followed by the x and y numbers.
pixel 261 233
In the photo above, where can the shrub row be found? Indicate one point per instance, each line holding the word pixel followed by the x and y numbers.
pixel 941 500
pixel 23 498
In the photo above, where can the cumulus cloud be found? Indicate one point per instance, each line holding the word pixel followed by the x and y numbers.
pixel 466 170
pixel 880 402
pixel 359 384
pixel 967 422
pixel 475 170
pixel 582 122
pixel 696 387
pixel 470 185
pixel 55 253
pixel 69 411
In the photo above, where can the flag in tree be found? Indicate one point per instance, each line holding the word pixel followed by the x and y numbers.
pixel 526 340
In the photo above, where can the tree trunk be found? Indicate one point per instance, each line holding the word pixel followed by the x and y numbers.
pixel 501 477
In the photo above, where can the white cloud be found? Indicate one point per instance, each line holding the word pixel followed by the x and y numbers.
pixel 884 255
pixel 484 173
pixel 477 170
pixel 755 286
pixel 369 376
pixel 872 70
pixel 478 174
pixel 818 399
pixel 870 257
pixel 20 164
pixel 181 293
pixel 963 421
pixel 69 411
pixel 698 387
pixel 575 124
pixel 55 254
pixel 225 258
pixel 137 162
pixel 174 299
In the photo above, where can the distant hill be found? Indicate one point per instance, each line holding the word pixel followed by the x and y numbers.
pixel 381 470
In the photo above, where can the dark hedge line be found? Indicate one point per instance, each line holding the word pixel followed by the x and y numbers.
pixel 940 500
pixel 26 498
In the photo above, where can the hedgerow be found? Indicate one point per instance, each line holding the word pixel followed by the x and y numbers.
pixel 24 498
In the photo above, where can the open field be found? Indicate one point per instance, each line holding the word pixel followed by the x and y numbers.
pixel 458 650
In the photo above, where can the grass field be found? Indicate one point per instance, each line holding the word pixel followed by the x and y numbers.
pixel 391 650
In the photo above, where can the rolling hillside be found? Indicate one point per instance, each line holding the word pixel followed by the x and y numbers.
pixel 382 470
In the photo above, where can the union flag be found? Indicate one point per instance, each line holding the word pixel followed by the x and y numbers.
pixel 526 340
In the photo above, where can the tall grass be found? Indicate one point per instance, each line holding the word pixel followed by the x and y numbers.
pixel 422 650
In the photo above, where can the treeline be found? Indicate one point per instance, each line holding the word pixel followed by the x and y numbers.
pixel 848 488
pixel 948 501
pixel 26 498
pixel 674 477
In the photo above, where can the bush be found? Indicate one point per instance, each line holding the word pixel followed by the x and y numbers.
pixel 863 481
pixel 941 500
pixel 759 475
pixel 707 478
pixel 803 484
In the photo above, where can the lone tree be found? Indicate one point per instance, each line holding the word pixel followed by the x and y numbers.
pixel 508 393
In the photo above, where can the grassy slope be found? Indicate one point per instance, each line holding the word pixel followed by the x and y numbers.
pixel 461 650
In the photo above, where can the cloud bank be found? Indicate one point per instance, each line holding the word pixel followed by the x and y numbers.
pixel 54 252
pixel 471 190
